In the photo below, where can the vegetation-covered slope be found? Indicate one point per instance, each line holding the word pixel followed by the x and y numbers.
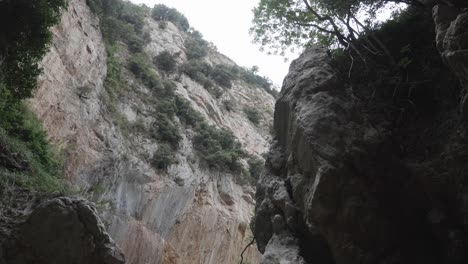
pixel 26 158
pixel 163 132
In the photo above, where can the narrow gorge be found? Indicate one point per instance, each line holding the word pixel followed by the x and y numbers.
pixel 126 137
pixel 164 140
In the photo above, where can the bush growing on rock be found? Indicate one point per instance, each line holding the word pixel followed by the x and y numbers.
pixel 186 113
pixel 166 61
pixel 164 157
pixel 165 130
pixel 140 66
pixel 163 13
pixel 218 148
pixel 196 47
pixel 228 105
pixel 255 167
pixel 197 70
pixel 253 115
pixel 26 157
pixel 222 75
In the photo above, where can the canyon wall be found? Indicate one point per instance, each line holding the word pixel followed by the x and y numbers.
pixel 376 179
pixel 186 214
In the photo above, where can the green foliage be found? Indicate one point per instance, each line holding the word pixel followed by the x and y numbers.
pixel 197 70
pixel 26 157
pixel 253 115
pixel 166 61
pixel 113 83
pixel 186 113
pixel 140 66
pixel 250 76
pixel 218 148
pixel 24 39
pixel 229 105
pixel 196 47
pixel 281 24
pixel 164 157
pixel 222 75
pixel 165 130
pixel 121 21
pixel 202 73
pixel 255 167
pixel 163 13
pixel 412 86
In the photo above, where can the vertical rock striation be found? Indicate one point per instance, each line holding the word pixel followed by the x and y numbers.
pixel 187 214
pixel 344 187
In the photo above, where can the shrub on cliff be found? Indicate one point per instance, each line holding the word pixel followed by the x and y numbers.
pixel 222 75
pixel 140 66
pixel 253 115
pixel 120 21
pixel 197 70
pixel 163 157
pixel 196 47
pixel 26 157
pixel 165 130
pixel 24 35
pixel 255 167
pixel 186 113
pixel 163 13
pixel 218 148
pixel 166 61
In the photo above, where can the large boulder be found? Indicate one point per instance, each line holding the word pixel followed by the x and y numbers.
pixel 63 230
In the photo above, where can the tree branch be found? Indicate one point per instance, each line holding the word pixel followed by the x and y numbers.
pixel 336 30
pixel 245 249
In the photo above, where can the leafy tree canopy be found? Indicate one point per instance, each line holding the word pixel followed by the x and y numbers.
pixel 24 36
pixel 282 24
pixel 163 13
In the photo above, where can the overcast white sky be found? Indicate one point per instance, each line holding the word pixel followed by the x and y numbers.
pixel 226 23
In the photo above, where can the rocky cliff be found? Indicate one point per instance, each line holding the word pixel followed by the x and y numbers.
pixel 381 178
pixel 185 213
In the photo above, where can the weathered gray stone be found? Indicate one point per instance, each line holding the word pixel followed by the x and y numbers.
pixel 64 230
pixel 452 41
pixel 334 190
pixel 149 213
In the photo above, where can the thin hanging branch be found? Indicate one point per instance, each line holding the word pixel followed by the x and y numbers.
pixel 245 249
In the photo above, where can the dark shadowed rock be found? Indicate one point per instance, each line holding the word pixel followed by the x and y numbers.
pixel 64 230
pixel 337 190
pixel 452 41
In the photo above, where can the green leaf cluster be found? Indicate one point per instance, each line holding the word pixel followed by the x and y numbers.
pixel 24 39
pixel 164 13
pixel 26 157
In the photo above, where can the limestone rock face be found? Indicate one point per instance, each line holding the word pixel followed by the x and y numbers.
pixel 337 188
pixel 187 214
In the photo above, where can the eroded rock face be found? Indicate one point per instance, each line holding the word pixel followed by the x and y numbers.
pixel 63 230
pixel 452 41
pixel 187 214
pixel 337 188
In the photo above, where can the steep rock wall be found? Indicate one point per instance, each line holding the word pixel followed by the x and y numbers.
pixel 346 182
pixel 189 214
